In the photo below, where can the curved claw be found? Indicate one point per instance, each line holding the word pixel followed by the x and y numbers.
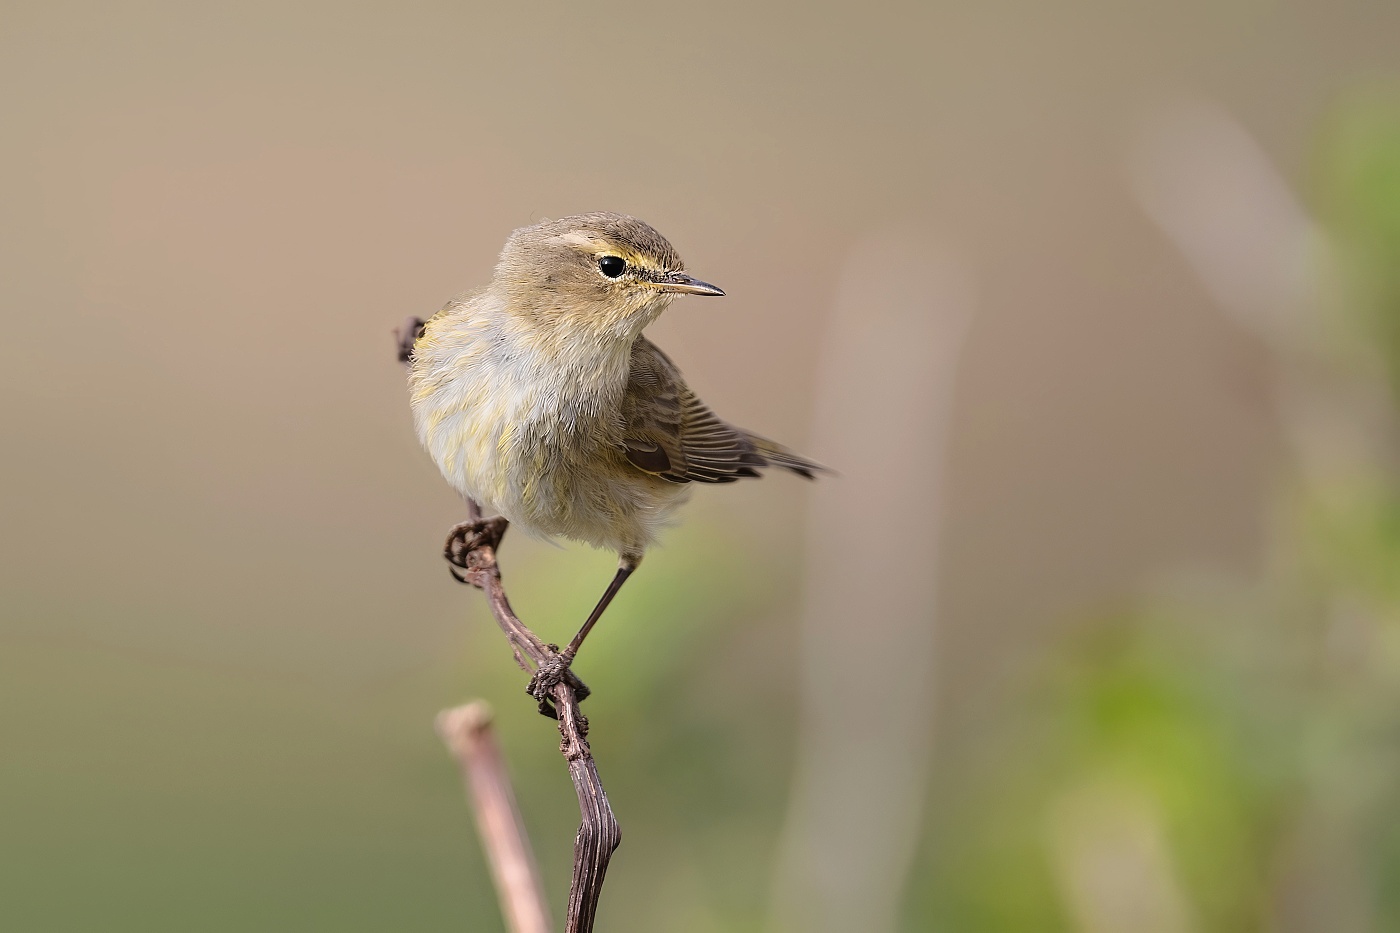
pixel 465 538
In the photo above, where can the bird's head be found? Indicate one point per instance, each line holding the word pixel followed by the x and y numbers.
pixel 599 273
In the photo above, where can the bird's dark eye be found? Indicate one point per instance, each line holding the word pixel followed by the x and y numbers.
pixel 612 266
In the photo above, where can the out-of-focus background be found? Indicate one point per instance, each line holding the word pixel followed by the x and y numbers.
pixel 1094 307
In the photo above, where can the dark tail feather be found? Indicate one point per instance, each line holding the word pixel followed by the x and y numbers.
pixel 778 455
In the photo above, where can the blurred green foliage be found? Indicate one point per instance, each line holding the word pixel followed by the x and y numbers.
pixel 1223 761
pixel 1360 182
pixel 282 805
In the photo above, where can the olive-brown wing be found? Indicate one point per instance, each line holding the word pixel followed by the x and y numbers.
pixel 670 433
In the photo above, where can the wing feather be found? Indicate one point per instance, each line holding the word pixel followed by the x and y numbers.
pixel 670 433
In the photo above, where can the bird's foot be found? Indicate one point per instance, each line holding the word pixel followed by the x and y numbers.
pixel 554 671
pixel 406 335
pixel 466 539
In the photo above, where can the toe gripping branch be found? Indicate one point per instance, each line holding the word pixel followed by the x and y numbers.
pixel 471 547
pixel 551 672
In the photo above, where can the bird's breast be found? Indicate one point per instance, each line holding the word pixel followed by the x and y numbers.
pixel 512 425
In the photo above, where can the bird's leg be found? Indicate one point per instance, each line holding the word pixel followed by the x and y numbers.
pixel 467 537
pixel 555 669
pixel 624 570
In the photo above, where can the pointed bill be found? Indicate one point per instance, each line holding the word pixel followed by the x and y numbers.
pixel 685 284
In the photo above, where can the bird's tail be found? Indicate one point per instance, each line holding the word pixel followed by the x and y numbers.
pixel 775 454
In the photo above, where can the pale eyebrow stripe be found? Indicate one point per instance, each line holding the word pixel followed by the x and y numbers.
pixel 574 238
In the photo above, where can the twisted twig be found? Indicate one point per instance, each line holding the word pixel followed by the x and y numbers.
pixel 598 834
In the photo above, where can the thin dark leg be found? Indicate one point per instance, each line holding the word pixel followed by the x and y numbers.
pixel 618 579
pixel 557 667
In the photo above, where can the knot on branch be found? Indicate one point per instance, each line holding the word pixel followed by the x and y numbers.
pixel 573 743
pixel 553 670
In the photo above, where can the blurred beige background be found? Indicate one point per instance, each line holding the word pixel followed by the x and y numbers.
pixel 226 627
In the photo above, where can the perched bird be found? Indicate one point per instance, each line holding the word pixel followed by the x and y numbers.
pixel 539 398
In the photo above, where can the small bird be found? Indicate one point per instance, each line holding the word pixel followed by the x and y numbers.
pixel 539 398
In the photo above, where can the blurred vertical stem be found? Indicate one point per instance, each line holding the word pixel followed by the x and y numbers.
pixel 468 734
pixel 867 632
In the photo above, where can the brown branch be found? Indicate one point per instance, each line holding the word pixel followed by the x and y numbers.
pixel 468 734
pixel 473 546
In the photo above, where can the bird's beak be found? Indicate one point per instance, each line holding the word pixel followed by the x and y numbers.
pixel 684 284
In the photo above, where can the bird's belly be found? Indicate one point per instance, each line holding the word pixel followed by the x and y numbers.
pixel 549 472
